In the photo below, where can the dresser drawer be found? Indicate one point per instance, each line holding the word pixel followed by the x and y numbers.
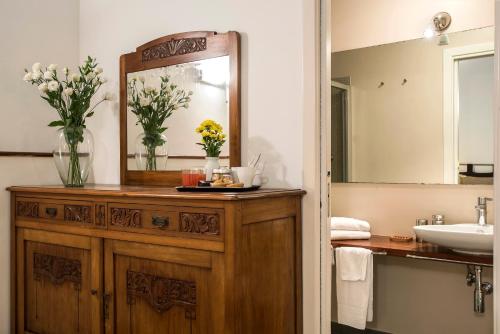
pixel 66 212
pixel 188 222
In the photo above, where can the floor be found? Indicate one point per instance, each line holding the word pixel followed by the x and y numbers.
pixel 342 329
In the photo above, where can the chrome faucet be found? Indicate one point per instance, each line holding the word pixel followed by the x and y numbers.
pixel 481 210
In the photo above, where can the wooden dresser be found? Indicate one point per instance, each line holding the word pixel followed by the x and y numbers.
pixel 121 259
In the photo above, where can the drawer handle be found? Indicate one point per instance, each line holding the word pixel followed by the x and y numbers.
pixel 160 222
pixel 51 212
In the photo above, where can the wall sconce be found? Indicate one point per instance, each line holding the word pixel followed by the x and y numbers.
pixel 440 23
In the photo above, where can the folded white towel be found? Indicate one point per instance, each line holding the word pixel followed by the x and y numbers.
pixel 349 224
pixel 354 279
pixel 349 235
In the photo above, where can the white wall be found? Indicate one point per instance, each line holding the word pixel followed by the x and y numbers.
pixel 361 23
pixel 271 58
pixel 32 31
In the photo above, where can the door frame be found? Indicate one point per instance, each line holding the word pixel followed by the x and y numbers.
pixel 451 103
pixel 324 149
pixel 496 183
pixel 348 128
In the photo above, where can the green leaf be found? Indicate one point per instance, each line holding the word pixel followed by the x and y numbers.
pixel 56 123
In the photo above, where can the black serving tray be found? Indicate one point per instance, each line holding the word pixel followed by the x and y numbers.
pixel 216 189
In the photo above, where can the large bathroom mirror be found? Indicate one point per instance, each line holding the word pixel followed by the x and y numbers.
pixel 198 71
pixel 418 111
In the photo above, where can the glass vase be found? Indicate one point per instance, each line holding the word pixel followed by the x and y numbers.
pixel 73 155
pixel 211 163
pixel 151 152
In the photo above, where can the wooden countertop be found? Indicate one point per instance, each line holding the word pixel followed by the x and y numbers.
pixel 413 249
pixel 151 191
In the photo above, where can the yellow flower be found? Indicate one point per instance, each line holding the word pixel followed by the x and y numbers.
pixel 210 129
pixel 207 123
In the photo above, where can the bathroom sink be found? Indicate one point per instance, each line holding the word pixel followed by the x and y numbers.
pixel 462 238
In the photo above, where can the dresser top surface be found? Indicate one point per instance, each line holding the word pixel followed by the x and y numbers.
pixel 154 192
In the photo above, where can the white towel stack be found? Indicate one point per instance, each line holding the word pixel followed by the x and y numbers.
pixel 354 286
pixel 343 228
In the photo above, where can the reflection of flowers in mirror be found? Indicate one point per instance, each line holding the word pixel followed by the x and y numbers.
pixel 212 137
pixel 153 106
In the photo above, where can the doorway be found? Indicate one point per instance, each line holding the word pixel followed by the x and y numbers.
pixel 340 131
pixel 460 111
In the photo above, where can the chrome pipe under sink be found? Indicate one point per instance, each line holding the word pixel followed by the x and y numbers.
pixel 481 289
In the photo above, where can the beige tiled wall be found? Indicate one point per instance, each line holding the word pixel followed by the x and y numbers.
pixel 393 208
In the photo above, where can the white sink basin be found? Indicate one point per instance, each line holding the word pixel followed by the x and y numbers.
pixel 461 238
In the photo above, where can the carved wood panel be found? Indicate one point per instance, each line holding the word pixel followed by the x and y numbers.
pixel 124 217
pixel 57 269
pixel 162 293
pixel 175 47
pixel 27 209
pixel 78 214
pixel 100 214
pixel 200 223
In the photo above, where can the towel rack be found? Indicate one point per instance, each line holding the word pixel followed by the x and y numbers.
pixel 374 252
pixel 380 253
pixel 418 257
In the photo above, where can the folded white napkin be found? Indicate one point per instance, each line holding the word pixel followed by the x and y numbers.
pixel 349 235
pixel 349 224
pixel 354 279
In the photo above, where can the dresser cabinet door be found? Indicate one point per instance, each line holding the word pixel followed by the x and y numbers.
pixel 58 283
pixel 160 289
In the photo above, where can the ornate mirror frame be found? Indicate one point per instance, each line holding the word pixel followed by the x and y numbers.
pixel 171 50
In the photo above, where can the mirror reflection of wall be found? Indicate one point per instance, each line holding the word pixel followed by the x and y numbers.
pixel 415 111
pixel 208 79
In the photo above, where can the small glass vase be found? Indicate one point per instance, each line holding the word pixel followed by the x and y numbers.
pixel 211 163
pixel 73 156
pixel 151 157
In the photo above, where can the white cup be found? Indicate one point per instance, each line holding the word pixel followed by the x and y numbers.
pixel 245 175
pixel 259 179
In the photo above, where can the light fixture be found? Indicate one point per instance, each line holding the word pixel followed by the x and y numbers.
pixel 428 33
pixel 440 23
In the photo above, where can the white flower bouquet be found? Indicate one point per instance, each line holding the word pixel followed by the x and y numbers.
pixel 71 97
pixel 152 107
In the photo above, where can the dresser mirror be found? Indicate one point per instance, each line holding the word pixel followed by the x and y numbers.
pixel 417 111
pixel 190 77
